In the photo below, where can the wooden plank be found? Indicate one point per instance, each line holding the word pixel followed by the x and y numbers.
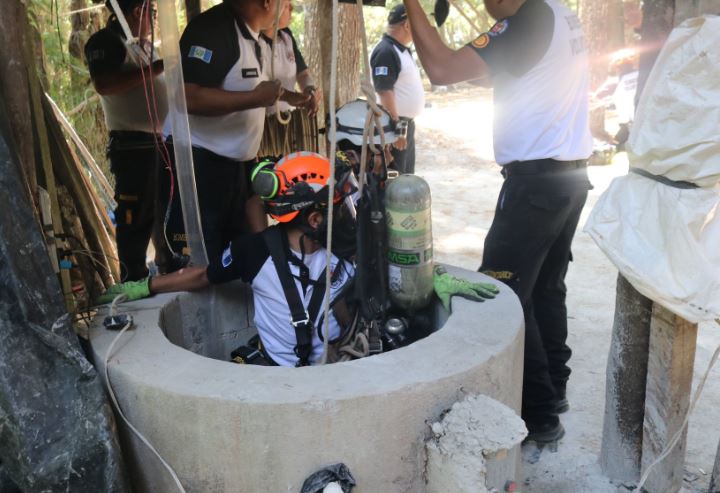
pixel 715 478
pixel 667 397
pixel 627 365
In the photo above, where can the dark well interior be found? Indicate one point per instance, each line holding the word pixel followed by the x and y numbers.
pixel 215 321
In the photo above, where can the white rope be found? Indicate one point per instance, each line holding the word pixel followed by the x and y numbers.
pixel 331 181
pixel 137 433
pixel 275 40
pixel 678 434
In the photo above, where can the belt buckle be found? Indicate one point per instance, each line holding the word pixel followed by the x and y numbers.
pixel 306 321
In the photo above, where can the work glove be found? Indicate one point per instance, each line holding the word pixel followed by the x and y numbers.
pixel 447 286
pixel 133 290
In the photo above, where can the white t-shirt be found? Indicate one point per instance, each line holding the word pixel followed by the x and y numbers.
pixel 540 71
pixel 248 258
pixel 106 53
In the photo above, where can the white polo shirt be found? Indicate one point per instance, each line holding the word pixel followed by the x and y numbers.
pixel 394 68
pixel 106 53
pixel 540 71
pixel 218 51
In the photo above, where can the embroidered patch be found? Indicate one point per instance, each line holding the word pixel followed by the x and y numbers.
pixel 227 257
pixel 200 53
pixel 498 28
pixel 250 73
pixel 481 41
pixel 500 275
pixel 381 70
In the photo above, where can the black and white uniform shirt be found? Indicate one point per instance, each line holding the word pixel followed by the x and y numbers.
pixel 106 53
pixel 219 51
pixel 540 74
pixel 288 63
pixel 395 69
pixel 248 258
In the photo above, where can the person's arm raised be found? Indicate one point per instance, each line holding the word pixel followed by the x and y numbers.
pixel 442 64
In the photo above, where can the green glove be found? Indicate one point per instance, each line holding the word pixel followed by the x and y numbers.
pixel 447 286
pixel 133 290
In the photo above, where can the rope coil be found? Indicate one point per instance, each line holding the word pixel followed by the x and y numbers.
pixel 276 29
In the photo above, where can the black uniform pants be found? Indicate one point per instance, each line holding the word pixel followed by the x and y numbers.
pixel 134 163
pixel 528 248
pixel 404 161
pixel 223 187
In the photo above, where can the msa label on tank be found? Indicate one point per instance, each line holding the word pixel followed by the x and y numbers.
pixel 409 258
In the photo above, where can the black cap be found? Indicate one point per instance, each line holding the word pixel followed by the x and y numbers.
pixel 397 14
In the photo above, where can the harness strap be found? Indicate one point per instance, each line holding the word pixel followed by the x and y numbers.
pixel 301 320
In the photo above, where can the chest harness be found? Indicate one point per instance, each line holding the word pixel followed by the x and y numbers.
pixel 301 318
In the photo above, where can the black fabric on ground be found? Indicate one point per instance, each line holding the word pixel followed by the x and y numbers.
pixel 56 428
pixel 336 473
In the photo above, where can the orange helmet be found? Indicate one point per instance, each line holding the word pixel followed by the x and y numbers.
pixel 296 182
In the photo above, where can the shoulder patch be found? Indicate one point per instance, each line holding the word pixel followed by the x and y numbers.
pixel 499 28
pixel 381 70
pixel 481 41
pixel 227 257
pixel 200 53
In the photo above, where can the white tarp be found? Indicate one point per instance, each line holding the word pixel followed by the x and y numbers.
pixel 666 240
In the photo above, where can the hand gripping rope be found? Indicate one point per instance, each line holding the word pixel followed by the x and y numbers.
pixel 276 29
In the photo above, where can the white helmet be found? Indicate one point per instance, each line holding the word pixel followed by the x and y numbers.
pixel 351 123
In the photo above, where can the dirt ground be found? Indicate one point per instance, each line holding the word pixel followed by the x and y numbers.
pixel 454 154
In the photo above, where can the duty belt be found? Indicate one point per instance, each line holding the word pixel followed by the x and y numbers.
pixel 127 140
pixel 541 166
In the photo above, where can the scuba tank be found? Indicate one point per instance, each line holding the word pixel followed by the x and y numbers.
pixel 409 233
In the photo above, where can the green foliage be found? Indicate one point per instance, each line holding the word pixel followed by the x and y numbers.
pixel 66 77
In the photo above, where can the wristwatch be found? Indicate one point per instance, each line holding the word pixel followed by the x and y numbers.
pixel 310 90
pixel 401 128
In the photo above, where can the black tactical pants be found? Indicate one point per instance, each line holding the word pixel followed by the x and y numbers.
pixel 404 161
pixel 223 187
pixel 528 248
pixel 134 163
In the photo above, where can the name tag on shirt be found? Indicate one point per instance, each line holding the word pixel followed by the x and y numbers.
pixel 249 73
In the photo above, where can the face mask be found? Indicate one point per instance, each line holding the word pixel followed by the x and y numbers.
pixel 344 231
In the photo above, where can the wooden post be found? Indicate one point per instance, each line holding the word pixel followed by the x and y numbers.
pixel 667 397
pixel 627 365
pixel 715 478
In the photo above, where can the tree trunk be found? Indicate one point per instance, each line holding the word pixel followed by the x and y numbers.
pixel 656 26
pixel 14 90
pixel 604 34
pixel 693 8
pixel 192 8
pixel 625 388
pixel 318 51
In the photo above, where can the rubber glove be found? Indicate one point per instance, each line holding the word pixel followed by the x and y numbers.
pixel 447 286
pixel 133 290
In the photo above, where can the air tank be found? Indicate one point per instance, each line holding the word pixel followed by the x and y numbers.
pixel 410 251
